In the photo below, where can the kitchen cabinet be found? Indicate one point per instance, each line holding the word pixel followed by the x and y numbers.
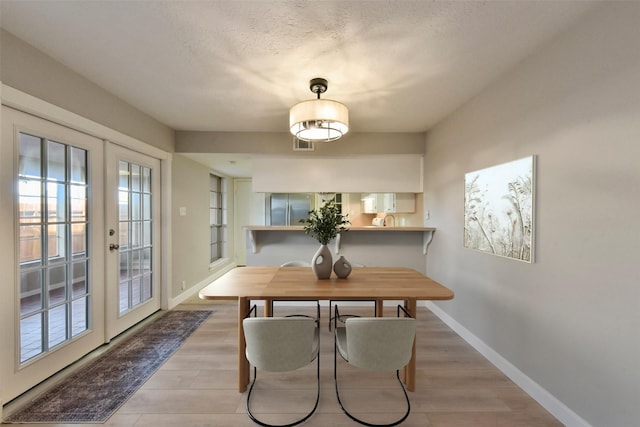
pixel 342 201
pixel 368 203
pixel 388 203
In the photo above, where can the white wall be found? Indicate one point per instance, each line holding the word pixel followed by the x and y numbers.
pixel 570 321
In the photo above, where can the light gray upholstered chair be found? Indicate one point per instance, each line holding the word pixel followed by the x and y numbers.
pixel 281 344
pixel 296 263
pixel 381 344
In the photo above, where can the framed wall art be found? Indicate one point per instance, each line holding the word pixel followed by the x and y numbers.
pixel 498 209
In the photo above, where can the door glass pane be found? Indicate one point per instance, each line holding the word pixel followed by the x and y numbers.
pixel 123 205
pixel 31 291
pixel 30 200
pixel 146 287
pixel 57 243
pixel 56 285
pixel 79 322
pixel 79 279
pixel 78 240
pixel 79 202
pixel 56 161
pixel 56 202
pixel 136 294
pixel 52 178
pixel 124 265
pixel 78 165
pixel 136 234
pixel 123 175
pixel 124 235
pixel 30 161
pixel 135 177
pixel 135 263
pixel 146 206
pixel 146 180
pixel 136 213
pixel 124 295
pixel 145 261
pixel 57 317
pixel 146 233
pixel 136 244
pixel 31 337
pixel 30 245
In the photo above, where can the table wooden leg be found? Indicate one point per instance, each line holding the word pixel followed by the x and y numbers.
pixel 243 363
pixel 410 370
pixel 268 308
pixel 379 308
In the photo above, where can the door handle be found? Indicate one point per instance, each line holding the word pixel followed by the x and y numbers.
pixel 114 247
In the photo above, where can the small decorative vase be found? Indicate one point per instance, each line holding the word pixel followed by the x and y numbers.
pixel 342 268
pixel 321 263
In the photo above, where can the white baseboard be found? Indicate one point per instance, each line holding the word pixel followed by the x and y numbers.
pixel 558 409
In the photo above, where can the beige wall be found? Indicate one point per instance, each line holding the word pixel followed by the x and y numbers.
pixel 281 143
pixel 190 233
pixel 570 320
pixel 27 69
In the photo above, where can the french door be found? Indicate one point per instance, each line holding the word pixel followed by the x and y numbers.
pixel 80 257
pixel 132 233
pixel 52 257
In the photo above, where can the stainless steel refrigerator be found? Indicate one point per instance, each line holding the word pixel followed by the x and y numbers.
pixel 289 209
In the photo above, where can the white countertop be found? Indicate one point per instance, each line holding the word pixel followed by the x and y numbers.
pixel 361 228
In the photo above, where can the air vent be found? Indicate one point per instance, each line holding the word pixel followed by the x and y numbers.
pixel 299 145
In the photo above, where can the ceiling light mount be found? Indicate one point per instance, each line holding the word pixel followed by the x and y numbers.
pixel 319 120
pixel 318 86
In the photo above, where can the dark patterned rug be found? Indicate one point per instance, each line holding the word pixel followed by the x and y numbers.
pixel 96 390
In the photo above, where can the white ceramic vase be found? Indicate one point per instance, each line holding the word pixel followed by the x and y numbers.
pixel 322 262
pixel 342 268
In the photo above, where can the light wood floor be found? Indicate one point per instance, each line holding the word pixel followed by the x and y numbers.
pixel 197 387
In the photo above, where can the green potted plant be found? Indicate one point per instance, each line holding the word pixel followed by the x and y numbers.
pixel 324 224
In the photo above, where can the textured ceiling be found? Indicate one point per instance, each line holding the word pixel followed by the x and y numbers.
pixel 400 66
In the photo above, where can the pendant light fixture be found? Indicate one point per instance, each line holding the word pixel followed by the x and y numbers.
pixel 319 120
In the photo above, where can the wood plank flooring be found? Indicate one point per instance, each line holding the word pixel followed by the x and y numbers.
pixel 197 387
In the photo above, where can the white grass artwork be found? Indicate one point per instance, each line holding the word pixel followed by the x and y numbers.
pixel 498 209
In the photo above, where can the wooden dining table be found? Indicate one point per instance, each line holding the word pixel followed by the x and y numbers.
pixel 245 284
